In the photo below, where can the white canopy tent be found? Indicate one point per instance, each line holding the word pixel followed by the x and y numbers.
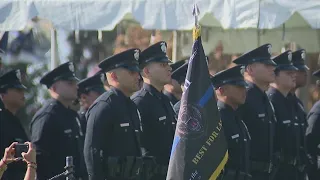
pixel 240 24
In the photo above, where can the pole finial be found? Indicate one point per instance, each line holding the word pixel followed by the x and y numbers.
pixel 196 13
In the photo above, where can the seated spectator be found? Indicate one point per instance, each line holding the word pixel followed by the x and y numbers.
pixel 29 158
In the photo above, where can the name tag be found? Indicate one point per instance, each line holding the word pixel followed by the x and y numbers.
pixel 296 124
pixel 67 131
pixel 162 118
pixel 124 125
pixel 235 136
pixel 136 130
pixel 286 121
pixel 261 115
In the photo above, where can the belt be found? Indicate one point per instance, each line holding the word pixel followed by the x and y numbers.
pixel 125 167
pixel 261 166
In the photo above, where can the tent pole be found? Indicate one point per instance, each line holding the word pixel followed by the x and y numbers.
pixel 54 54
pixel 174 46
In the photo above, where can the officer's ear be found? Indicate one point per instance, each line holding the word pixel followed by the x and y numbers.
pixel 249 69
pixel 145 71
pixel 220 91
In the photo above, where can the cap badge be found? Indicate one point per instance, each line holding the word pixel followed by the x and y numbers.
pixel 71 67
pixel 136 54
pixel 289 56
pixel 18 74
pixel 163 47
pixel 269 49
pixel 303 55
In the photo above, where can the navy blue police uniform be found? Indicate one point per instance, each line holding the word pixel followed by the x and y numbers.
pixel 312 139
pixel 300 115
pixel 94 83
pixel 157 115
pixel 11 129
pixel 258 114
pixel 286 130
pixel 112 144
pixel 56 131
pixel 236 132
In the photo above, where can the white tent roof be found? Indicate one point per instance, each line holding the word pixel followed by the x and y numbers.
pixel 160 14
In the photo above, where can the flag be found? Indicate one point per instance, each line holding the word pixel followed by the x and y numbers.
pixel 199 150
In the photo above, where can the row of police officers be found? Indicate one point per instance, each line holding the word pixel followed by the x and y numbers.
pixel 127 131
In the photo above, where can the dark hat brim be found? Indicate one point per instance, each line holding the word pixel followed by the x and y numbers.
pixel 161 59
pixel 268 62
pixel 68 78
pixel 239 83
pixel 134 68
pixel 18 86
pixel 287 68
pixel 302 67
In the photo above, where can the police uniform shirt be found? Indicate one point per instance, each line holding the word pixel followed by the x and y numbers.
pixel 113 130
pixel 158 122
pixel 238 139
pixel 11 131
pixel 171 97
pixel 313 141
pixel 56 134
pixel 300 117
pixel 258 115
pixel 286 126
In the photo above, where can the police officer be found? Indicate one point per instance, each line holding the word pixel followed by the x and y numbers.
pixel 112 143
pixel 179 75
pixel 286 133
pixel 157 115
pixel 231 92
pixel 300 115
pixel 313 140
pixel 173 90
pixel 257 112
pixel 55 128
pixel 11 130
pixel 89 89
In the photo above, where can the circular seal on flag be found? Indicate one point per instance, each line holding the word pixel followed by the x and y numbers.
pixel 71 67
pixel 303 55
pixel 269 49
pixel 136 54
pixel 190 122
pixel 290 56
pixel 18 74
pixel 163 47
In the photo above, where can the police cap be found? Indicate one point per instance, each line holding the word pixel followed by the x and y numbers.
pixel 63 72
pixel 232 76
pixel 127 59
pixel 93 83
pixel 154 53
pixel 180 73
pixel 261 54
pixel 284 61
pixel 11 79
pixel 298 60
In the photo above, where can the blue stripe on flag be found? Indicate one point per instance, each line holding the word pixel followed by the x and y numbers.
pixel 174 144
pixel 207 95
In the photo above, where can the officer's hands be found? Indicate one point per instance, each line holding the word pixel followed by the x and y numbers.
pixel 30 156
pixel 8 156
